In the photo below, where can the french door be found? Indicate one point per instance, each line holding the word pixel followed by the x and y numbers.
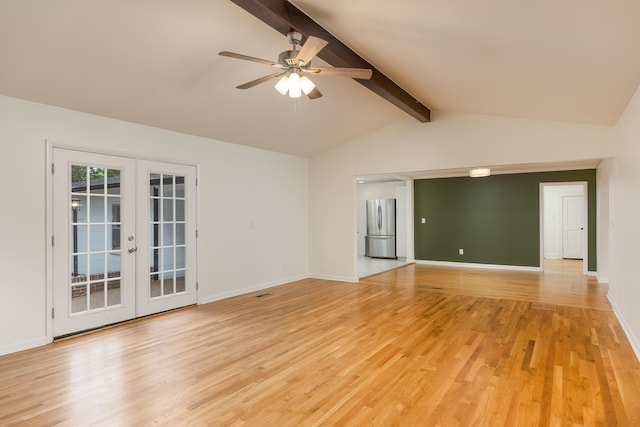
pixel 124 239
pixel 167 238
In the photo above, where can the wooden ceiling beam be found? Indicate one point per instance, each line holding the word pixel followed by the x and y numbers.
pixel 285 17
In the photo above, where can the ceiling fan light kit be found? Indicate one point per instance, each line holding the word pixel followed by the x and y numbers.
pixel 283 85
pixel 306 85
pixel 294 64
pixel 295 85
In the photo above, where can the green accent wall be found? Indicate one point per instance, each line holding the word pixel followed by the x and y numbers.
pixel 495 219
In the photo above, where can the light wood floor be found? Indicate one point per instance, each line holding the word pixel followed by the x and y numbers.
pixel 417 346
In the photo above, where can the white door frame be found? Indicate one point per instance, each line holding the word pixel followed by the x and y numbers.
pixel 48 239
pixel 585 247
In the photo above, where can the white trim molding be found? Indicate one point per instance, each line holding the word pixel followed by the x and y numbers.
pixel 479 266
pixel 334 278
pixel 627 331
pixel 24 345
pixel 237 292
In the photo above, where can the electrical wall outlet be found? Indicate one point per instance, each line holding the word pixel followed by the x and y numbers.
pixel 424 220
pixel 460 251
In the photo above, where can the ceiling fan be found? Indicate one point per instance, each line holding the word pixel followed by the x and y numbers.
pixel 294 63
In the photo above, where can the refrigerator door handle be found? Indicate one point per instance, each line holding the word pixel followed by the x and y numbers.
pixel 379 217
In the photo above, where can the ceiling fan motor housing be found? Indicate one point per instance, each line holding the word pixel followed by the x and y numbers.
pixel 288 57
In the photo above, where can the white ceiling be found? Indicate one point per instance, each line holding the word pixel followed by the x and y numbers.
pixel 156 63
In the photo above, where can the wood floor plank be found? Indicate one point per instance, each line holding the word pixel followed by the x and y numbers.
pixel 421 345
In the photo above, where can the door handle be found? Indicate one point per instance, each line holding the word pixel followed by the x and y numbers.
pixel 132 250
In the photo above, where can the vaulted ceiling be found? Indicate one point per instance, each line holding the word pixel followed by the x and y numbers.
pixel 156 63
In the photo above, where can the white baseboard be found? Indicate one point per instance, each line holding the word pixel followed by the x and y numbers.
pixel 334 278
pixel 627 331
pixel 24 345
pixel 602 279
pixel 236 292
pixel 480 266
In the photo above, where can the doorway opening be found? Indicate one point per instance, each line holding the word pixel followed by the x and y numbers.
pixel 563 220
pixel 384 187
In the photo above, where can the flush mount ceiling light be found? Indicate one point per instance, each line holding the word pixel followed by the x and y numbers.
pixel 479 172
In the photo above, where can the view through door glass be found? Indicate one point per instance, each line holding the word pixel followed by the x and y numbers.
pixel 167 247
pixel 95 238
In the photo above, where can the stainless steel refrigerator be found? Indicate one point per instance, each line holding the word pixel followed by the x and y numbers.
pixel 380 241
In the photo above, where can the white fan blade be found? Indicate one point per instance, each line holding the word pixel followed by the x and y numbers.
pixel 310 49
pixel 249 58
pixel 354 73
pixel 314 94
pixel 256 82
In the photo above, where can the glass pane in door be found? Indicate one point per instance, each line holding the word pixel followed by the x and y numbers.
pixel 94 241
pixel 166 234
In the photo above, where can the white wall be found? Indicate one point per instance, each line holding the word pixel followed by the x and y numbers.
pixel 553 217
pixel 238 186
pixel 450 141
pixel 623 175
pixel 401 221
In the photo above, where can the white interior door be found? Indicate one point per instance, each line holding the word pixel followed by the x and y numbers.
pixel 167 241
pixel 124 239
pixel 573 226
pixel 93 222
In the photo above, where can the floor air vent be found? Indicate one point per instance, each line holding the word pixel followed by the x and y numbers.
pixel 263 295
pixel 429 287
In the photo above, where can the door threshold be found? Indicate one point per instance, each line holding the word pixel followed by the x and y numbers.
pixel 113 325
